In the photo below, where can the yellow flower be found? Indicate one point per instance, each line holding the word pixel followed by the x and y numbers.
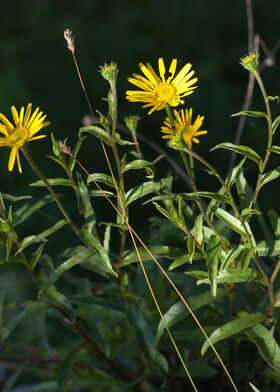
pixel 184 126
pixel 158 91
pixel 22 132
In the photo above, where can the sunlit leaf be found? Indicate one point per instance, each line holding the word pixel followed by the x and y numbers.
pixel 244 150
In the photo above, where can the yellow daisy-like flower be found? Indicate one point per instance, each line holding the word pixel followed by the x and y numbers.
pixel 184 126
pixel 26 126
pixel 158 91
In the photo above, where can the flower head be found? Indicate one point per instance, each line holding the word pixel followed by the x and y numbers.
pixel 109 72
pixel 183 127
pixel 26 126
pixel 250 62
pixel 158 91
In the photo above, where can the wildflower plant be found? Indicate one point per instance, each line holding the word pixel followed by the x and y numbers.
pixel 198 299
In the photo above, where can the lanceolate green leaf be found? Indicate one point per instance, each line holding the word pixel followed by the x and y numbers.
pixel 232 275
pixel 270 176
pixel 66 367
pixel 245 258
pixel 130 255
pixel 27 241
pixel 268 248
pixel 275 222
pixel 178 311
pixel 27 209
pixel 84 205
pixel 97 309
pixel 232 328
pixel 105 178
pixel 244 150
pixel 145 188
pixel 26 310
pixel 83 256
pixel 213 251
pixel 229 220
pixel 14 198
pixel 53 182
pixel 103 135
pixel 250 113
pixel 97 132
pixel 139 164
pixel 92 242
pixel 234 173
pixel 275 124
pixel 275 149
pixel 244 190
pixel 266 344
pixel 145 340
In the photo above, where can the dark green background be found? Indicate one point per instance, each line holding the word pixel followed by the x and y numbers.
pixel 36 67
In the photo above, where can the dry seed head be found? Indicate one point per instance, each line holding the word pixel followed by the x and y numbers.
pixel 69 39
pixel 64 148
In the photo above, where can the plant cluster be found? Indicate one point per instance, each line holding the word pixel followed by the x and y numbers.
pixel 197 302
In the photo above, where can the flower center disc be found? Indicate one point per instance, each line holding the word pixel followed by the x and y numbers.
pixel 165 92
pixel 18 137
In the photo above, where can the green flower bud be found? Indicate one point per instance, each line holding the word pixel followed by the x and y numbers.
pixel 250 62
pixel 131 122
pixel 109 72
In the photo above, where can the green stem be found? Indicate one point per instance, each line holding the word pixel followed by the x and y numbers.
pixel 118 163
pixel 275 272
pixel 207 164
pixel 269 143
pixel 49 187
pixel 192 180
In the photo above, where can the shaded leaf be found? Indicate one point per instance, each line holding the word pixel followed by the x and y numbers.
pixel 92 242
pixel 27 209
pixel 84 205
pixel 232 328
pixel 146 340
pixel 98 309
pixel 27 241
pixel 26 309
pixel 213 251
pixel 178 311
pixel 66 367
pixel 266 344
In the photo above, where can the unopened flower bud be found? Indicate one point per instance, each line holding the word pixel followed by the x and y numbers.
pixel 250 62
pixel 109 72
pixel 131 122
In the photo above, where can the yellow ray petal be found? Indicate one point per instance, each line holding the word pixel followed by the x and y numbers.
pixel 12 158
pixel 18 162
pixel 27 114
pixel 161 68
